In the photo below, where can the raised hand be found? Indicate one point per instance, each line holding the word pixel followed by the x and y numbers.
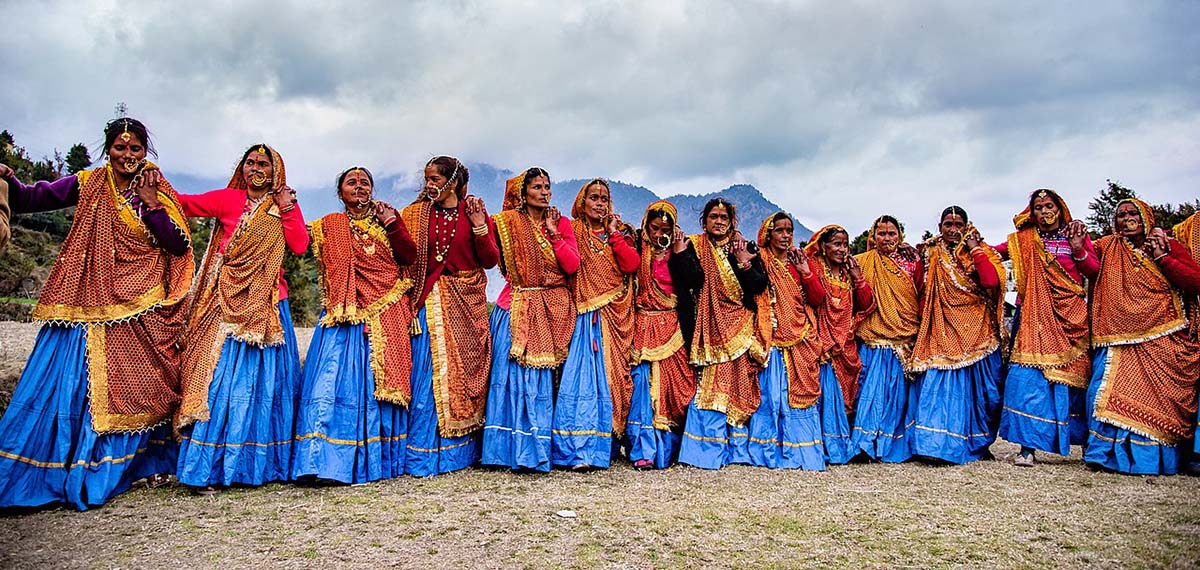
pixel 551 222
pixel 907 252
pixel 614 223
pixel 384 212
pixel 739 250
pixel 146 186
pixel 1076 234
pixel 476 211
pixel 972 239
pixel 1156 244
pixel 799 259
pixel 679 241
pixel 284 197
pixel 854 268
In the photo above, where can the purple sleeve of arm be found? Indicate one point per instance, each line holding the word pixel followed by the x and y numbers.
pixel 43 196
pixel 169 236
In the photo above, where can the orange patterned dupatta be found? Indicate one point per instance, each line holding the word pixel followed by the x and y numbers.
pixel 541 314
pixel 600 286
pixel 787 322
pixel 1053 335
pixel 837 318
pixel 725 332
pixel 657 338
pixel 235 294
pixel 896 318
pixel 961 321
pixel 361 284
pixel 456 316
pixel 111 278
pixel 1150 375
pixel 1188 233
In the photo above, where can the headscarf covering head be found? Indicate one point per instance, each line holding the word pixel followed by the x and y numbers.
pixel 886 218
pixel 659 209
pixel 824 234
pixel 278 173
pixel 577 209
pixel 1026 219
pixel 764 231
pixel 1143 209
pixel 514 189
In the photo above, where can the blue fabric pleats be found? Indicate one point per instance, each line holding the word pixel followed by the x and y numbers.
pixel 48 451
pixel 583 408
pixel 642 439
pixel 881 408
pixel 1119 449
pixel 709 442
pixel 780 436
pixel 252 400
pixel 520 406
pixel 342 432
pixel 835 425
pixel 1044 415
pixel 428 453
pixel 953 413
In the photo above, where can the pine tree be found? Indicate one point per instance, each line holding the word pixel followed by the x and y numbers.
pixel 78 158
pixel 1105 206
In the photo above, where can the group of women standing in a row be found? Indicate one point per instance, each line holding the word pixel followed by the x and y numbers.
pixel 708 350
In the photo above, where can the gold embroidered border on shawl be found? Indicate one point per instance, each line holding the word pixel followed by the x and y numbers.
pixel 961 322
pixel 541 320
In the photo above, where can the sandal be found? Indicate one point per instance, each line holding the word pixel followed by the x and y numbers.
pixel 158 480
pixel 643 464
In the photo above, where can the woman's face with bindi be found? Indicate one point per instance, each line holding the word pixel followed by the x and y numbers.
pixel 718 222
pixel 596 203
pixel 537 192
pixel 837 248
pixel 356 189
pixel 257 170
pixel 127 153
pixel 779 238
pixel 887 237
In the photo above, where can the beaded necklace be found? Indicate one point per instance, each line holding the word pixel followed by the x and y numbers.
pixel 445 225
pixel 360 226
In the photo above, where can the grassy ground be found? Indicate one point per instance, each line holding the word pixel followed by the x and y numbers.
pixel 989 514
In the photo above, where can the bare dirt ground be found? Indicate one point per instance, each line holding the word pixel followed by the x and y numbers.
pixel 984 515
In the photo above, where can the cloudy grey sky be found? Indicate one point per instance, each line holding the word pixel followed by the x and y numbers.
pixel 838 111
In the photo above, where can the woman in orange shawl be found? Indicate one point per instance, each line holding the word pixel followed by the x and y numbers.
pixel 848 300
pixel 785 430
pixel 885 341
pixel 592 404
pixel 89 415
pixel 954 405
pixel 724 343
pixel 351 425
pixel 1050 366
pixel 663 381
pixel 531 323
pixel 241 367
pixel 1142 398
pixel 451 345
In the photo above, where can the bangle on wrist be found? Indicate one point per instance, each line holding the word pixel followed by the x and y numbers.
pixel 287 208
pixel 1156 259
pixel 744 265
pixel 1080 258
pixel 480 230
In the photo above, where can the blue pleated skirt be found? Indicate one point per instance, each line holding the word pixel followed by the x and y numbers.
pixel 520 406
pixel 642 439
pixel 342 432
pixel 1047 416
pixel 709 442
pixel 780 436
pixel 583 408
pixel 1121 450
pixel 48 451
pixel 428 452
pixel 252 401
pixel 880 420
pixel 953 413
pixel 835 425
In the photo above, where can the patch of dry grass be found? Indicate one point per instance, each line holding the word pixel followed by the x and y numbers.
pixel 988 514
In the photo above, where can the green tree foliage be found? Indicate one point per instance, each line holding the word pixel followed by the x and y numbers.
pixel 304 291
pixel 78 158
pixel 1105 205
pixel 859 245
